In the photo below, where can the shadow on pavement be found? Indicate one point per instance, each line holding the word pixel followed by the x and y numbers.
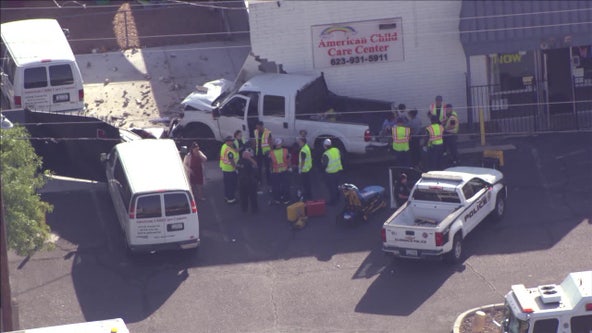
pixel 404 285
pixel 108 283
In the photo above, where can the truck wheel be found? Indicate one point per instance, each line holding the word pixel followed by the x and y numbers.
pixel 455 255
pixel 204 137
pixel 500 207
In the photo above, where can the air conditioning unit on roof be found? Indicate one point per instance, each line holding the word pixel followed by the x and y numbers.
pixel 550 293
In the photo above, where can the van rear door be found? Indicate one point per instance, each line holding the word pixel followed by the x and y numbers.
pixel 53 87
pixel 177 222
pixel 146 220
pixel 178 215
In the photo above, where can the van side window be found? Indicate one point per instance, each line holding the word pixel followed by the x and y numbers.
pixel 8 67
pixel 581 323
pixel 176 204
pixel 148 206
pixel 35 77
pixel 61 75
pixel 124 188
pixel 274 106
pixel 545 325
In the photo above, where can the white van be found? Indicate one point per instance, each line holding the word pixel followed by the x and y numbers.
pixel 39 70
pixel 152 196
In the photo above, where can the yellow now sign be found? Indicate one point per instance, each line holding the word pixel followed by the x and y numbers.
pixel 507 58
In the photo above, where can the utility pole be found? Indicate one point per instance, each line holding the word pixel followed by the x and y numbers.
pixel 6 322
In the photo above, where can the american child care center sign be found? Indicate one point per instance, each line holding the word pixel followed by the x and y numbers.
pixel 353 43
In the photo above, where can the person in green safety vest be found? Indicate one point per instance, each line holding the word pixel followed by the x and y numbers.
pixel 401 135
pixel 437 110
pixel 262 148
pixel 435 144
pixel 228 159
pixel 280 178
pixel 304 168
pixel 451 134
pixel 239 141
pixel 331 162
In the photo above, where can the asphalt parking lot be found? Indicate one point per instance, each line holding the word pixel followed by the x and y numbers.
pixel 253 273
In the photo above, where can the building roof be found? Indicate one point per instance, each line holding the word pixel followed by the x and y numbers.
pixel 492 26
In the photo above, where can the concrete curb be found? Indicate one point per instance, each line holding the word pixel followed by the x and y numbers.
pixel 461 317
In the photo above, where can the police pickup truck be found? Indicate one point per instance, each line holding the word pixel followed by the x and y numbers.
pixel 443 208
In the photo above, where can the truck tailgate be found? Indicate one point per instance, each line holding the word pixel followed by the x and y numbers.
pixel 410 237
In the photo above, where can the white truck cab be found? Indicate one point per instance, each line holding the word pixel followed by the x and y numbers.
pixel 564 308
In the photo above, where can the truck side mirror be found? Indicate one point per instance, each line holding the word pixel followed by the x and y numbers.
pixel 216 113
pixel 104 157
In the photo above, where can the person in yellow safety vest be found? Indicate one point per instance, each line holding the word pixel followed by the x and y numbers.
pixel 435 144
pixel 437 110
pixel 228 159
pixel 280 178
pixel 238 142
pixel 262 148
pixel 451 134
pixel 401 136
pixel 331 162
pixel 304 167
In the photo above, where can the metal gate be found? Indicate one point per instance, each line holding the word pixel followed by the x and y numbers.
pixel 527 110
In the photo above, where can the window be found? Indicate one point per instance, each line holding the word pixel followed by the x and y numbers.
pixel 61 75
pixel 148 206
pixel 473 187
pixel 176 204
pixel 581 323
pixel 8 67
pixel 234 108
pixel 119 176
pixel 512 71
pixel 436 195
pixel 35 77
pixel 546 326
pixel 274 106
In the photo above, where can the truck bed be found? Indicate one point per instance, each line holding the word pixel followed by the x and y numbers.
pixel 421 215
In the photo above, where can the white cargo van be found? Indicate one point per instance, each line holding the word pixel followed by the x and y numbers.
pixel 152 196
pixel 39 70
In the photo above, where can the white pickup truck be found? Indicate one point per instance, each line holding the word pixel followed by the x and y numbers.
pixel 286 103
pixel 443 208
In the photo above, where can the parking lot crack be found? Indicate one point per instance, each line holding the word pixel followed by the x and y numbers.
pixel 273 275
pixel 482 277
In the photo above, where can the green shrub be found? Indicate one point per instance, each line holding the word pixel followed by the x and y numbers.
pixel 24 211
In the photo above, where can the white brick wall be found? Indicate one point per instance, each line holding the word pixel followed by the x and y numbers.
pixel 434 62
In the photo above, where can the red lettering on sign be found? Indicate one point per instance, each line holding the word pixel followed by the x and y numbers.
pixel 371 49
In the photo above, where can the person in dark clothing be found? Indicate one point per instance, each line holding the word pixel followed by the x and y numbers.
pixel 416 133
pixel 193 163
pixel 247 180
pixel 402 190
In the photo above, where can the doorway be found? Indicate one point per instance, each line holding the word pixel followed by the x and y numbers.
pixel 559 82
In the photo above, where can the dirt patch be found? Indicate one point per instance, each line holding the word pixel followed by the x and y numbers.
pixel 495 313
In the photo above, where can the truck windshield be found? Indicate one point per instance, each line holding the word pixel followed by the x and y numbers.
pixel 512 324
pixel 436 195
